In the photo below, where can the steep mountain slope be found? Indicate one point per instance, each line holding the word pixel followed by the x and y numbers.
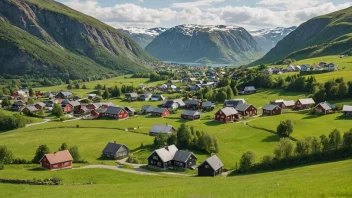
pixel 329 34
pixel 143 36
pixel 205 44
pixel 268 38
pixel 46 38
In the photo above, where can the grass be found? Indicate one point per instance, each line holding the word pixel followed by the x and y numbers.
pixel 322 180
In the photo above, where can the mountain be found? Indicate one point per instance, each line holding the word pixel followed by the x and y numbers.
pixel 47 39
pixel 268 38
pixel 329 34
pixel 143 36
pixel 205 44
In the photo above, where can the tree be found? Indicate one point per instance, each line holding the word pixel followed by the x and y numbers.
pixel 63 147
pixel 285 128
pixel 247 160
pixel 75 153
pixel 41 112
pixel 347 139
pixel 99 92
pixel 316 145
pixel 69 87
pixel 84 87
pixel 262 67
pixel 284 149
pixel 324 143
pixel 160 140
pixel 5 103
pixel 57 111
pixel 221 96
pixel 106 94
pixel 229 93
pixel 41 151
pixel 320 95
pixel 30 101
pixel 184 136
pixel 302 147
pixel 172 139
pixel 77 86
pixel 343 89
pixel 235 91
pixel 31 92
pixel 6 156
pixel 335 139
pixel 350 89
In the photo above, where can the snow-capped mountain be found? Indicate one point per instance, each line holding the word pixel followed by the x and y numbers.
pixel 268 38
pixel 143 36
pixel 215 44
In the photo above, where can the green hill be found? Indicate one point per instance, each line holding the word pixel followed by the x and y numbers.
pixel 329 34
pixel 46 38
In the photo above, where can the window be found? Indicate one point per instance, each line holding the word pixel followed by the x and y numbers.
pixel 158 164
pixel 206 166
pixel 155 157
pixel 55 166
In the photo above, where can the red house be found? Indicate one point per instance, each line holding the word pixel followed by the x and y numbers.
pixel 304 104
pixel 325 108
pixel 227 114
pixel 58 160
pixel 116 113
pixel 67 108
pixel 271 109
pixel 98 113
pixel 161 112
pixel 247 109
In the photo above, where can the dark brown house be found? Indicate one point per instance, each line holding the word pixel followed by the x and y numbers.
pixel 211 167
pixel 190 115
pixel 116 113
pixel 271 109
pixel 115 151
pixel 325 108
pixel 247 109
pixel 160 112
pixel 227 114
pixel 306 103
pixel 193 104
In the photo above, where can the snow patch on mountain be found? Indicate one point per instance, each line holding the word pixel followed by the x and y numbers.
pixel 273 33
pixel 189 29
pixel 153 32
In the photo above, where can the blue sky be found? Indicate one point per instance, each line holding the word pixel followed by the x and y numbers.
pixel 251 14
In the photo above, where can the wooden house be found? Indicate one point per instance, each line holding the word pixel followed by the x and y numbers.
pixel 116 113
pixel 160 112
pixel 190 115
pixel 306 103
pixel 98 113
pixel 40 105
pixel 67 108
pixel 347 110
pixel 145 97
pixel 325 108
pixel 211 167
pixel 193 104
pixel 247 109
pixel 271 109
pixel 207 106
pixel 64 95
pixel 227 114
pixel 170 156
pixel 157 97
pixel 130 111
pixel 57 160
pixel 115 151
pixel 234 103
pixel 17 106
pixel 131 96
pixel 30 110
pixel 146 109
pixel 159 128
pixel 173 104
pixel 249 90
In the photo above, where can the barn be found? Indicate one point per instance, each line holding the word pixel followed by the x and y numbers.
pixel 304 104
pixel 325 108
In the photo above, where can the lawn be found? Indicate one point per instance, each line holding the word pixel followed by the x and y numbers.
pixel 322 180
pixel 307 125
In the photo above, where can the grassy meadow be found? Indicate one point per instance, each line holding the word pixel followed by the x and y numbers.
pixel 321 180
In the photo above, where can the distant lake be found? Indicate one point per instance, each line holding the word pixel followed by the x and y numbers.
pixel 198 64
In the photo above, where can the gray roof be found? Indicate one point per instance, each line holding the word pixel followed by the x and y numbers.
pixel 158 110
pixel 64 102
pixel 347 108
pixel 129 109
pixel 147 108
pixel 234 103
pixel 32 108
pixel 180 102
pixel 167 154
pixel 242 107
pixel 214 162
pixel 229 111
pixel 42 104
pixel 270 107
pixel 327 106
pixel 161 128
pixel 66 93
pixel 192 102
pixel 112 147
pixel 113 110
pixel 190 113
pixel 306 101
pixel 249 88
pixel 207 104
pixel 74 103
pixel 182 156
pixel 135 95
pixel 289 103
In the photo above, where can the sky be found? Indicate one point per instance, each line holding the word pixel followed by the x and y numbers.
pixel 250 14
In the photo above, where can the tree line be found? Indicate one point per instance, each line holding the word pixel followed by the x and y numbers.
pixel 308 150
pixel 10 122
pixel 188 138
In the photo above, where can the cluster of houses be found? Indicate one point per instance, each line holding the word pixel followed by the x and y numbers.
pixel 322 66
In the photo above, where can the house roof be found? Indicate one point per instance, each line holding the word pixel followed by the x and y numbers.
pixel 31 108
pixel 289 103
pixel 147 108
pixel 74 103
pixel 167 154
pixel 113 110
pixel 129 109
pixel 279 101
pixel 234 103
pixel 306 101
pixel 58 157
pixel 66 101
pixel 182 156
pixel 192 102
pixel 134 95
pixel 207 104
pixel 229 111
pixel 242 107
pixel 158 110
pixel 327 106
pixel 190 113
pixel 42 104
pixel 112 147
pixel 347 108
pixel 249 88
pixel 270 107
pixel 160 128
pixel 214 162
pixel 66 93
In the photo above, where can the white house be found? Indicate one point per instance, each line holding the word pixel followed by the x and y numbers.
pixel 290 68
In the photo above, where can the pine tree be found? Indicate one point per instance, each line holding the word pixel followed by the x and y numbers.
pixel 41 151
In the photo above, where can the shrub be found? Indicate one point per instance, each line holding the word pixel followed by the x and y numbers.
pixel 247 160
pixel 2 167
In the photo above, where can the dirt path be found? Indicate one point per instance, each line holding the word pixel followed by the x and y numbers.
pixel 38 123
pixel 139 171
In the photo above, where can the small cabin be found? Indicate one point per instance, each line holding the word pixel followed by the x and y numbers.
pixel 190 115
pixel 116 113
pixel 57 160
pixel 115 151
pixel 211 167
pixel 227 115
pixel 272 109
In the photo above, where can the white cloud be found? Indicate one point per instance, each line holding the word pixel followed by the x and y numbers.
pixel 195 4
pixel 290 4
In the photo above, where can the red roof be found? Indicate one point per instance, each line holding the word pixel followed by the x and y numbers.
pixel 58 157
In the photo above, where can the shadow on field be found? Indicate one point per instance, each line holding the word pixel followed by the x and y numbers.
pixel 213 123
pixel 311 117
pixel 338 118
pixel 271 138
pixel 37 169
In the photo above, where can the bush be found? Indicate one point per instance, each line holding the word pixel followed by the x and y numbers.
pixel 2 167
pixel 133 160
pixel 247 160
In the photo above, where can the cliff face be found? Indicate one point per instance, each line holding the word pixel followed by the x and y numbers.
pixel 49 23
pixel 324 35
pixel 143 36
pixel 205 44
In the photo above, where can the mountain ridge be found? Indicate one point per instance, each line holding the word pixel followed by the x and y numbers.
pixel 143 36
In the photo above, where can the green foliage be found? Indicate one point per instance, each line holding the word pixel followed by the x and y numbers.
pixel 76 156
pixel 63 147
pixel 247 160
pixel 221 96
pixel 5 103
pixel 31 92
pixel 57 111
pixel 13 121
pixel 30 101
pixel 335 140
pixel 302 147
pixel 284 149
pixel 161 140
pixel 41 151
pixel 6 156
pixel 347 139
pixel 106 94
pixel 285 128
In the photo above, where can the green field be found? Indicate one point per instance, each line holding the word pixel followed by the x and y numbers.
pixel 323 180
